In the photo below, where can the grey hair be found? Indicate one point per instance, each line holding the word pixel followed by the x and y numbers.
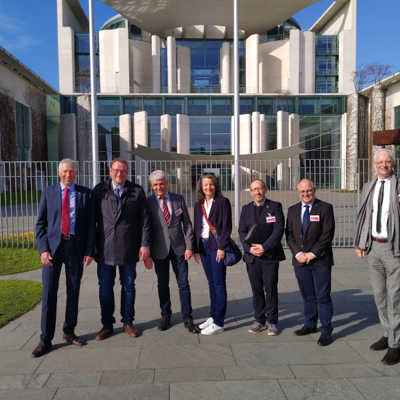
pixel 157 175
pixel 306 180
pixel 387 152
pixel 67 161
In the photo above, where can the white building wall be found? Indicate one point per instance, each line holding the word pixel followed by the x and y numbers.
pixel 171 64
pixel 156 63
pixel 165 124
pixel 308 63
pixel 392 101
pixel 295 41
pixel 183 69
pixel 252 60
pixel 255 132
pixel 225 67
pixel 140 123
pixel 263 133
pixel 140 61
pixel 182 134
pixel 245 134
pixel 125 136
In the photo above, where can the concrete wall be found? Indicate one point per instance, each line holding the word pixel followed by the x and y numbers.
pixel 125 136
pixel 166 132
pixel 140 62
pixel 182 134
pixel 252 60
pixel 225 67
pixel 84 128
pixel 171 64
pixel 140 128
pixel 183 69
pixel 156 63
pixel 245 134
pixel 392 101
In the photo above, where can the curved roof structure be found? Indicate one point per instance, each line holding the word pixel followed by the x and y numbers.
pixel 159 16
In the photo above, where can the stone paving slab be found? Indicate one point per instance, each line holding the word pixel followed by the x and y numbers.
pixel 385 388
pixel 189 374
pixel 28 394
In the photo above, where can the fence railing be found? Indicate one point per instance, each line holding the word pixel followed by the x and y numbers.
pixel 337 182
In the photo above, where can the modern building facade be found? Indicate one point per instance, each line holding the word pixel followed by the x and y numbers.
pixel 165 78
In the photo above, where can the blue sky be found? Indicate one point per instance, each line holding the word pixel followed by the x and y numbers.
pixel 28 30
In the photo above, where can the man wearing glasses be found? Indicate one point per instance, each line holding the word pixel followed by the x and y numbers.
pixel 123 236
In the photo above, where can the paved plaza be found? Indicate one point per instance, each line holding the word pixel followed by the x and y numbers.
pixel 177 365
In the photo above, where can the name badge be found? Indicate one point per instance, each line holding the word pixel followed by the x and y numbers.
pixel 178 212
pixel 314 218
pixel 270 219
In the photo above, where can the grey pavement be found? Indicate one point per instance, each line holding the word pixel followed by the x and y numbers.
pixel 177 365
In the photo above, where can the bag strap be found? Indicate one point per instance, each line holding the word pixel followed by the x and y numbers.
pixel 212 229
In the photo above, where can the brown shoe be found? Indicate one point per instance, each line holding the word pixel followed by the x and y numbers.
pixel 71 338
pixel 104 333
pixel 41 349
pixel 131 330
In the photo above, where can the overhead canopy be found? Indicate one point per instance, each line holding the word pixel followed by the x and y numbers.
pixel 149 154
pixel 159 16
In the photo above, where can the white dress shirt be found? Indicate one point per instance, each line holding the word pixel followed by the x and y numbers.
pixel 205 233
pixel 167 200
pixel 385 208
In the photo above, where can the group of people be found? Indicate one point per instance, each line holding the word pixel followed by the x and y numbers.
pixel 116 225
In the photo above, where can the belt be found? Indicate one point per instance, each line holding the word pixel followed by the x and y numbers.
pixel 67 237
pixel 379 240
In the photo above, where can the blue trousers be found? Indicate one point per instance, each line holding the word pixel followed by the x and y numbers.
pixel 106 275
pixel 216 276
pixel 180 268
pixel 65 254
pixel 315 287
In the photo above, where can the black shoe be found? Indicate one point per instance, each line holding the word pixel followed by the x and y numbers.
pixel 325 339
pixel 305 330
pixel 41 349
pixel 392 357
pixel 165 323
pixel 71 338
pixel 381 344
pixel 191 327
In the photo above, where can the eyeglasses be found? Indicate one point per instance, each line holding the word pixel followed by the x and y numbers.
pixel 119 171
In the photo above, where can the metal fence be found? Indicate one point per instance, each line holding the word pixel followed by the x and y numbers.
pixel 336 182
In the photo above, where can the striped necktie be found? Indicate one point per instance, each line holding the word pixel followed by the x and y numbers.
pixel 167 215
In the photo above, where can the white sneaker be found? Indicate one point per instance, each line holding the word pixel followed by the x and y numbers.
pixel 206 323
pixel 212 329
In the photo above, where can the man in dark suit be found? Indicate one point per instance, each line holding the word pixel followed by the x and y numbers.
pixel 310 229
pixel 123 235
pixel 262 258
pixel 65 234
pixel 172 242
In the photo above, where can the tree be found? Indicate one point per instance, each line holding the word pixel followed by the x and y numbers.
pixel 370 74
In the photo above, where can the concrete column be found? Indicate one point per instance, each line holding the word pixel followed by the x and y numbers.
pixel 252 60
pixel 156 63
pixel 282 140
pixel 349 149
pixel 347 61
pixel 308 71
pixel 125 136
pixel 377 113
pixel 343 151
pixel 224 56
pixel 165 123
pixel 182 134
pixel 183 72
pixel 171 64
pixel 66 57
pixel 263 136
pixel 245 134
pixel 68 140
pixel 255 132
pixel 294 138
pixel 84 128
pixel 294 60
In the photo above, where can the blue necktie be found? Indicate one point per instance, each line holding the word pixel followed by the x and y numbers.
pixel 117 196
pixel 306 216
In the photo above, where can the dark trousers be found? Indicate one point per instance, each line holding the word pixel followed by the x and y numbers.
pixel 315 287
pixel 263 276
pixel 180 268
pixel 106 275
pixel 65 254
pixel 216 276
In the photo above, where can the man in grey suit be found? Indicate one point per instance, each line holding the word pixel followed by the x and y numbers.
pixel 378 236
pixel 172 242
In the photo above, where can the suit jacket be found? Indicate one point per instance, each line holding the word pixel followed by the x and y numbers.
pixel 272 245
pixel 178 234
pixel 121 227
pixel 221 219
pixel 48 225
pixel 318 235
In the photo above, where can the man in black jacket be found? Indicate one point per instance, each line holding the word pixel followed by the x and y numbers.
pixel 262 259
pixel 123 235
pixel 310 228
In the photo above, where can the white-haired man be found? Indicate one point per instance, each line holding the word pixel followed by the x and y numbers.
pixel 378 238
pixel 172 242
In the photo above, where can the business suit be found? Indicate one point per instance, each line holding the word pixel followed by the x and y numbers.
pixel 70 252
pixel 314 279
pixel 170 240
pixel 263 270
pixel 220 216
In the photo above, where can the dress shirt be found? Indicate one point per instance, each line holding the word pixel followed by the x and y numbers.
pixel 72 200
pixel 120 187
pixel 205 233
pixel 167 200
pixel 385 208
pixel 303 209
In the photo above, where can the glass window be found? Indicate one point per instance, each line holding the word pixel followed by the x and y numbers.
pixel 326 44
pixel 132 105
pixel 308 106
pixel 220 125
pixel 153 105
pixel 23 128
pixel 284 104
pixel 200 139
pixel 221 144
pixel 397 117
pixel 108 136
pixel 221 106
pixel 174 106
pixel 270 123
pixel 265 105
pixel 246 105
pixel 173 134
pixel 198 106
pixel 154 132
pixel 329 105
pixel 82 44
pixel 109 106
pixel 164 70
pixel 326 65
pixel 108 125
pixel 326 84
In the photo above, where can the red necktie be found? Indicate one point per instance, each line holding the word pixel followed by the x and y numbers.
pixel 167 215
pixel 65 223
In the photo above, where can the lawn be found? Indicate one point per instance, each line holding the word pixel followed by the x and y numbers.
pixel 20 197
pixel 14 260
pixel 17 297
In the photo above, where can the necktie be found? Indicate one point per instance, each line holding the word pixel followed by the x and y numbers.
pixel 167 215
pixel 65 222
pixel 306 216
pixel 117 194
pixel 379 213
